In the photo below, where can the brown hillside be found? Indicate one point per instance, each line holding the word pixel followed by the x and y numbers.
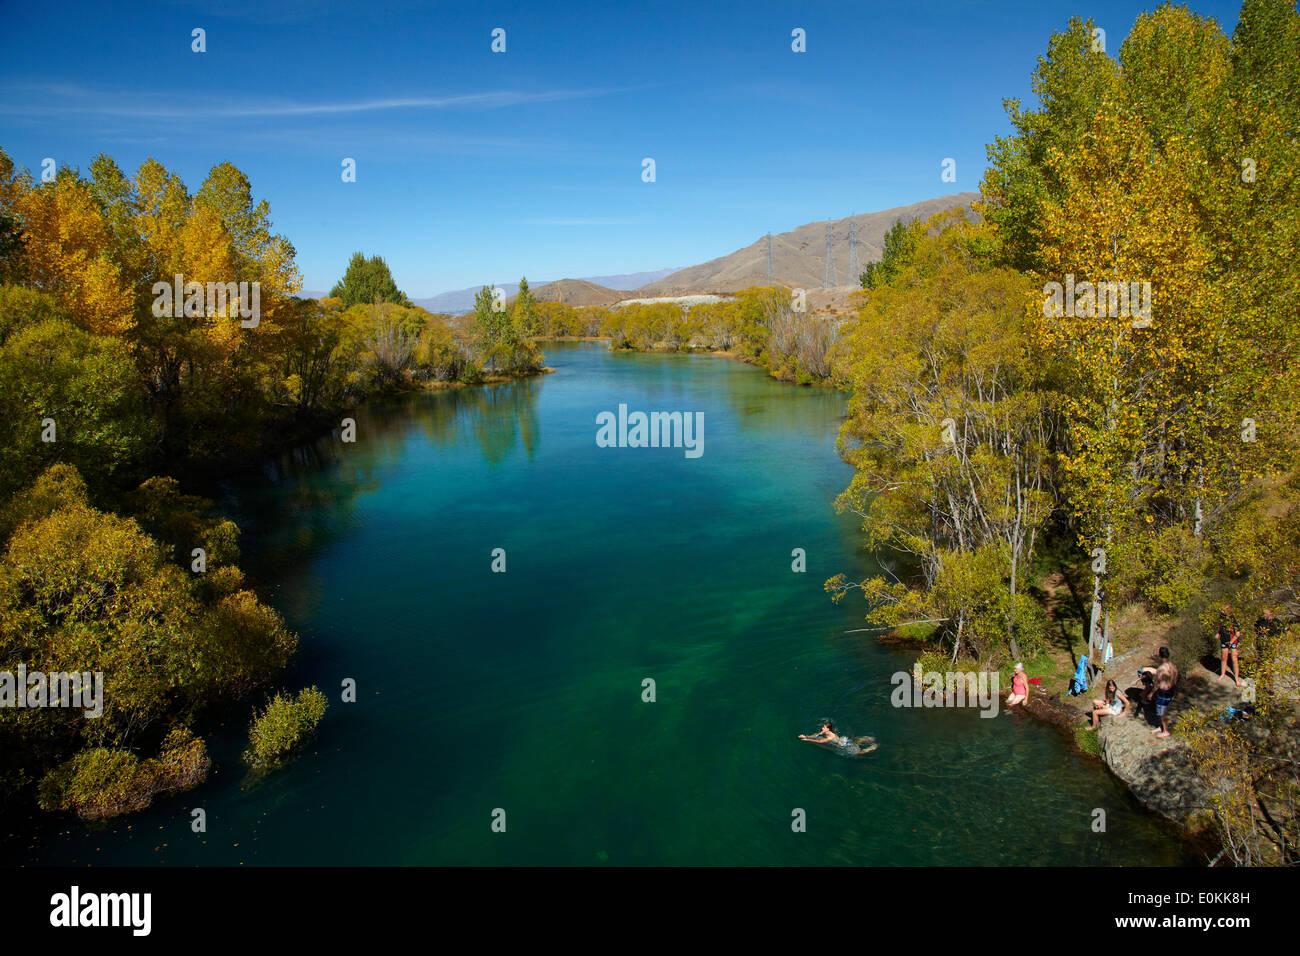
pixel 577 292
pixel 798 256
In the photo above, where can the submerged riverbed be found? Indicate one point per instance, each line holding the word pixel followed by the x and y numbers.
pixel 523 691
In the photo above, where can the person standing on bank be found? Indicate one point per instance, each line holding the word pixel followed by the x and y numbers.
pixel 1229 643
pixel 1162 689
pixel 1268 626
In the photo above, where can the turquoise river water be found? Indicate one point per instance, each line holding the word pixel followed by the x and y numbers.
pixel 522 691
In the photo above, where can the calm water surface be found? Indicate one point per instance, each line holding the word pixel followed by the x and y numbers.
pixel 522 690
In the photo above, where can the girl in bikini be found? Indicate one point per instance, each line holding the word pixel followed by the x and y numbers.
pixel 1113 705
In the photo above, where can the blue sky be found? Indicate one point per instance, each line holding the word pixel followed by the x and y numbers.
pixel 478 167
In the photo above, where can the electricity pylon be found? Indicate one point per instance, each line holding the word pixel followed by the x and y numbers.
pixel 855 267
pixel 828 274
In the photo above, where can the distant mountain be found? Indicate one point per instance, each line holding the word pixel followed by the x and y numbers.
pixel 458 300
pixel 631 280
pixel 798 260
pixel 462 300
pixel 578 292
pixel 799 256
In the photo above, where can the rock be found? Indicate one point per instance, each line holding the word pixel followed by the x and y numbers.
pixel 1158 771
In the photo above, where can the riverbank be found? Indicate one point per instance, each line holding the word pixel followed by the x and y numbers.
pixel 205 475
pixel 729 354
pixel 1158 772
pixel 433 386
pixel 690 350
pixel 164 522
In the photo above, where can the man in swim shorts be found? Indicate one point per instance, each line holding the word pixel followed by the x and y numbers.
pixel 1162 689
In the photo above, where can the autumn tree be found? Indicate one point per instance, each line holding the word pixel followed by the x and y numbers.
pixel 68 252
pixel 950 432
pixel 1146 175
pixel 11 233
pixel 82 590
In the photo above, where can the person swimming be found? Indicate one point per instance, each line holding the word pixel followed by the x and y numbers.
pixel 852 746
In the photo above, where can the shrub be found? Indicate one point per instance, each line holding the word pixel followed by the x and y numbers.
pixel 100 782
pixel 183 763
pixel 283 728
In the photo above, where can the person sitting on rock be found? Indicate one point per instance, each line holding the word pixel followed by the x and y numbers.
pixel 1019 687
pixel 1114 704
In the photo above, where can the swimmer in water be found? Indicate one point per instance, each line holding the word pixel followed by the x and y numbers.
pixel 827 735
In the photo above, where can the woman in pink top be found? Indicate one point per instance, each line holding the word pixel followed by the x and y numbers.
pixel 1019 687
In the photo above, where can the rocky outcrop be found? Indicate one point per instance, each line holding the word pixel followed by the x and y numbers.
pixel 1158 771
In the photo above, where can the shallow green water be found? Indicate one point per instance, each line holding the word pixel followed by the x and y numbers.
pixel 522 690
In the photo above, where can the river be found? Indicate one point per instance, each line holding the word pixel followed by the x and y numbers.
pixel 522 691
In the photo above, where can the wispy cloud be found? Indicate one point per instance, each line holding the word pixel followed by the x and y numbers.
pixel 47 100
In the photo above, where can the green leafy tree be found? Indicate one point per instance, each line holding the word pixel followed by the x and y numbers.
pixel 1070 81
pixel 524 311
pixel 499 338
pixel 85 385
pixel 900 241
pixel 367 282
